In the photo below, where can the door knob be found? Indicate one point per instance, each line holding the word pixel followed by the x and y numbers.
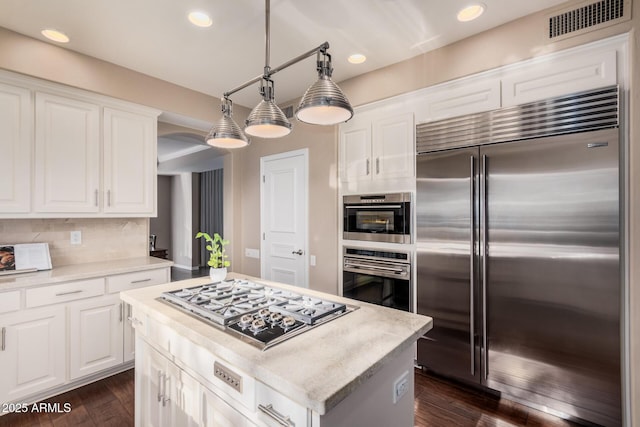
pixel 298 252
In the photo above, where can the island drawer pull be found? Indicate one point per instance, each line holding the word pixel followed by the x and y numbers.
pixel 159 386
pixel 4 336
pixel 281 419
pixel 141 280
pixel 68 293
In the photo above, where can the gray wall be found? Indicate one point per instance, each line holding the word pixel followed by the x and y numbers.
pixel 161 225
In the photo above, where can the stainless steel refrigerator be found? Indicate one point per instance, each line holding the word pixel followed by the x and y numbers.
pixel 518 252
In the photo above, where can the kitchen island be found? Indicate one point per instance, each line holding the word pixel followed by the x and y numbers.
pixel 356 369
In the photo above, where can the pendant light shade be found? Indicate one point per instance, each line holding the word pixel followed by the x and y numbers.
pixel 324 103
pixel 267 120
pixel 226 133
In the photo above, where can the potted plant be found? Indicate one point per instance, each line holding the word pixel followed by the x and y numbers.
pixel 218 259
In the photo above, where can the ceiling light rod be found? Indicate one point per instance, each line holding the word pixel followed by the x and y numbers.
pixel 322 104
pixel 322 49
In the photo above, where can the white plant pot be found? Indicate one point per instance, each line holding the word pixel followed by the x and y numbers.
pixel 217 274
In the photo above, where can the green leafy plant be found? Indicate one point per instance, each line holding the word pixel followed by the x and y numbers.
pixel 215 245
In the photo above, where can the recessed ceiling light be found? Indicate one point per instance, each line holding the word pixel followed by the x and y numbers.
pixel 357 58
pixel 471 12
pixel 55 35
pixel 200 19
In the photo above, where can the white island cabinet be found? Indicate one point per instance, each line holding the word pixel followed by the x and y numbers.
pixel 341 373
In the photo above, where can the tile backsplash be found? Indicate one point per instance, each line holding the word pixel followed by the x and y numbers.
pixel 103 239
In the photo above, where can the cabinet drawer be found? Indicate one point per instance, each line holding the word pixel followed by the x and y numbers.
pixel 139 279
pixel 9 301
pixel 275 409
pixel 54 294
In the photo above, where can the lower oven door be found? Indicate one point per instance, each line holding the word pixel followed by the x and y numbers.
pixel 383 283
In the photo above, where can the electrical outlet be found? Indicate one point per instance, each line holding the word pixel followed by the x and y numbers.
pixel 400 387
pixel 76 238
pixel 252 253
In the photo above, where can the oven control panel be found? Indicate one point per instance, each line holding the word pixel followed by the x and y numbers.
pixel 227 376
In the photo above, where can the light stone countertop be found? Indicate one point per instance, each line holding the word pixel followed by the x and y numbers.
pixel 318 368
pixel 67 273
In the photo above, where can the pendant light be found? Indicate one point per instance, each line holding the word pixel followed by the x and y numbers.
pixel 267 120
pixel 323 103
pixel 226 133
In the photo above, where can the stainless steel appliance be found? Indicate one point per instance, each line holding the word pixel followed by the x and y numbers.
pixel 377 276
pixel 378 217
pixel 261 315
pixel 518 252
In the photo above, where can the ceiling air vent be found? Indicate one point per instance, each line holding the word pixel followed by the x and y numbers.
pixel 592 16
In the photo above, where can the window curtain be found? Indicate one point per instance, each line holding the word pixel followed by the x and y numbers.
pixel 211 206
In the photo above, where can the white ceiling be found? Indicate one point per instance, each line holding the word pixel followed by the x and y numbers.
pixel 155 38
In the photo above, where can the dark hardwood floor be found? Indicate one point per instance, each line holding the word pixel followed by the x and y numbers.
pixel 437 403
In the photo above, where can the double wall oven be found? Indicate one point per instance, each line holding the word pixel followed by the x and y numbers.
pixel 372 272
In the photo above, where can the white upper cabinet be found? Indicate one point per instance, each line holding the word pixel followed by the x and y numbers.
pixel 458 98
pixel 560 76
pixel 129 162
pixel 16 118
pixel 71 153
pixel 67 155
pixel 393 147
pixel 355 149
pixel 375 149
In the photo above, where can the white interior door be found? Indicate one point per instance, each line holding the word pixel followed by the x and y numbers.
pixel 284 217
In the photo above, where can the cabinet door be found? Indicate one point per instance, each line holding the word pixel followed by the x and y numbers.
pixel 393 147
pixel 165 395
pixel 67 144
pixel 184 394
pixel 217 413
pixel 149 383
pixel 95 335
pixel 129 162
pixel 355 150
pixel 15 148
pixel 129 333
pixel 32 354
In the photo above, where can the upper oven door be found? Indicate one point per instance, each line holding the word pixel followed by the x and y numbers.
pixel 378 218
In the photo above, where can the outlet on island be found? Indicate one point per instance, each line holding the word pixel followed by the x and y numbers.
pixel 400 387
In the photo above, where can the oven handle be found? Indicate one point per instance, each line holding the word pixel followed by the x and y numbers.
pixel 372 267
pixel 374 207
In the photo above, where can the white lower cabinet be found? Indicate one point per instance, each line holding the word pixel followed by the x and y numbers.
pixel 217 413
pixel 95 335
pixel 57 335
pixel 129 335
pixel 275 409
pixel 32 356
pixel 167 395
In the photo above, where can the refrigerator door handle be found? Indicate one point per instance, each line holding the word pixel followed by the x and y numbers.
pixel 472 332
pixel 483 254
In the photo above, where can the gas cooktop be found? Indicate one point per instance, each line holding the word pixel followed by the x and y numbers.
pixel 260 315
